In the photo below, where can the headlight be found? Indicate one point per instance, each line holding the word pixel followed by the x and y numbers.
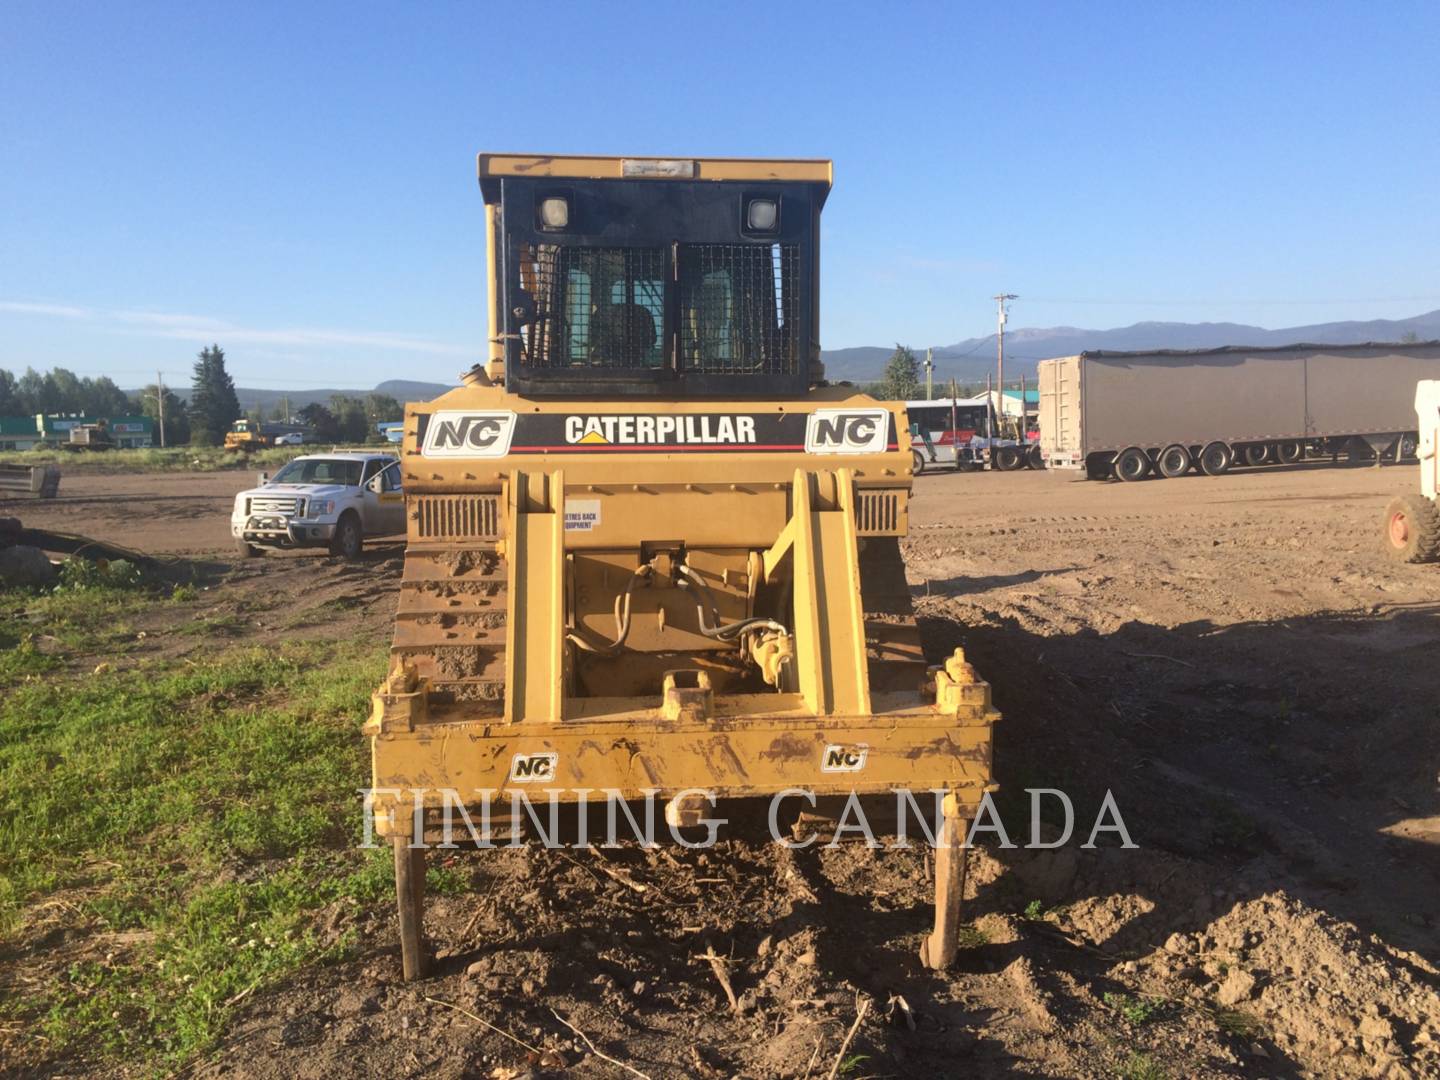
pixel 319 507
pixel 762 215
pixel 554 212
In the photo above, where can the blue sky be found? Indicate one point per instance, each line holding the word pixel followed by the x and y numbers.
pixel 296 181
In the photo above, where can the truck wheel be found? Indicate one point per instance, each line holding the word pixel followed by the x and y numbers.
pixel 1289 453
pixel 1216 459
pixel 1412 529
pixel 1256 453
pixel 1174 460
pixel 348 541
pixel 1008 458
pixel 1034 459
pixel 917 462
pixel 246 550
pixel 1132 464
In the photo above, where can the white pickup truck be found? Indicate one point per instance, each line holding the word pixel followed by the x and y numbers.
pixel 322 500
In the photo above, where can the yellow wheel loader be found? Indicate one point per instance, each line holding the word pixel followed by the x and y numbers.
pixel 651 554
pixel 1412 522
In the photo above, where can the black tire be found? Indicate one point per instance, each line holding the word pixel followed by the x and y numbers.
pixel 1008 458
pixel 1216 459
pixel 917 462
pixel 246 550
pixel 1034 459
pixel 1175 460
pixel 1412 529
pixel 348 541
pixel 1132 464
pixel 1288 453
pixel 1256 454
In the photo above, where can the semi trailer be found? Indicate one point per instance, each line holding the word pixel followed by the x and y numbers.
pixel 1133 415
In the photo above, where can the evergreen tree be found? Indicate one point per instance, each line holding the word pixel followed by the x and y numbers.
pixel 10 402
pixel 213 404
pixel 320 420
pixel 901 381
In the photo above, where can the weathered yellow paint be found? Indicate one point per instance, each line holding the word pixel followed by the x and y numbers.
pixel 815 170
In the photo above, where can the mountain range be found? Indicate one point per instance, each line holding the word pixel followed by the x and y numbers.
pixel 969 361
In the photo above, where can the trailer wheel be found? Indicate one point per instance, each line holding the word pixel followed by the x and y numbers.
pixel 1008 458
pixel 1256 453
pixel 1289 453
pixel 1412 529
pixel 1132 464
pixel 1034 459
pixel 917 461
pixel 1216 459
pixel 1174 460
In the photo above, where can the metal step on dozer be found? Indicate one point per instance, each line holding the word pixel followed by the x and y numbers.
pixel 650 550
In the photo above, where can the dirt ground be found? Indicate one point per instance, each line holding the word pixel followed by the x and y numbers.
pixel 1232 658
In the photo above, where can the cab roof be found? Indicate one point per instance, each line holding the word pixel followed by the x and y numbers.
pixel 584 167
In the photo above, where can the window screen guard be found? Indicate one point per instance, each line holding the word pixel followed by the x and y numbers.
pixel 713 309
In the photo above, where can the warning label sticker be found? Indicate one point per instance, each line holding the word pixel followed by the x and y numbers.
pixel 581 515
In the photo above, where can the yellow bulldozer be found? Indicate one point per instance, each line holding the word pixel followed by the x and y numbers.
pixel 650 550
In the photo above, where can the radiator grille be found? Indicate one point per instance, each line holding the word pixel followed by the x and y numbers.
pixel 595 307
pixel 880 513
pixel 456 517
pixel 738 309
pixel 275 504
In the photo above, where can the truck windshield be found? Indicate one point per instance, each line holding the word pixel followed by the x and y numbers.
pixel 319 471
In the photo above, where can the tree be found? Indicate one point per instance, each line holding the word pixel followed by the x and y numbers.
pixel 213 404
pixel 177 422
pixel 320 420
pixel 10 403
pixel 350 418
pixel 382 408
pixel 901 381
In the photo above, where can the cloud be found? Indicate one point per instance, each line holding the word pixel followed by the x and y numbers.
pixel 58 311
pixel 204 328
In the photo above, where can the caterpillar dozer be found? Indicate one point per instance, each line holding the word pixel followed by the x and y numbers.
pixel 649 549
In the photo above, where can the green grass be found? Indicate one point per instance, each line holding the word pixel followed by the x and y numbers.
pixel 1135 1010
pixel 209 808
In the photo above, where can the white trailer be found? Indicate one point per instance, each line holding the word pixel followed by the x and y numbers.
pixel 1133 415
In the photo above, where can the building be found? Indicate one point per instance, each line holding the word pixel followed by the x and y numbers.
pixel 18 433
pixel 32 432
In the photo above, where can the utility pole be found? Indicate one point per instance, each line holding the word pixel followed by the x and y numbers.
pixel 160 404
pixel 929 375
pixel 1001 316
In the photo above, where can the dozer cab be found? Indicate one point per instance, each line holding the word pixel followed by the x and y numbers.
pixel 649 549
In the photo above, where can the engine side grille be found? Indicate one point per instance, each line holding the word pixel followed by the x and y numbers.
pixel 880 513
pixel 455 517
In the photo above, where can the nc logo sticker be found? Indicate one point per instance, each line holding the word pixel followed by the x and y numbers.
pixel 533 768
pixel 847 431
pixel 837 758
pixel 469 434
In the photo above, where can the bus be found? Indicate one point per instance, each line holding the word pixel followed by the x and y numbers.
pixel 956 432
